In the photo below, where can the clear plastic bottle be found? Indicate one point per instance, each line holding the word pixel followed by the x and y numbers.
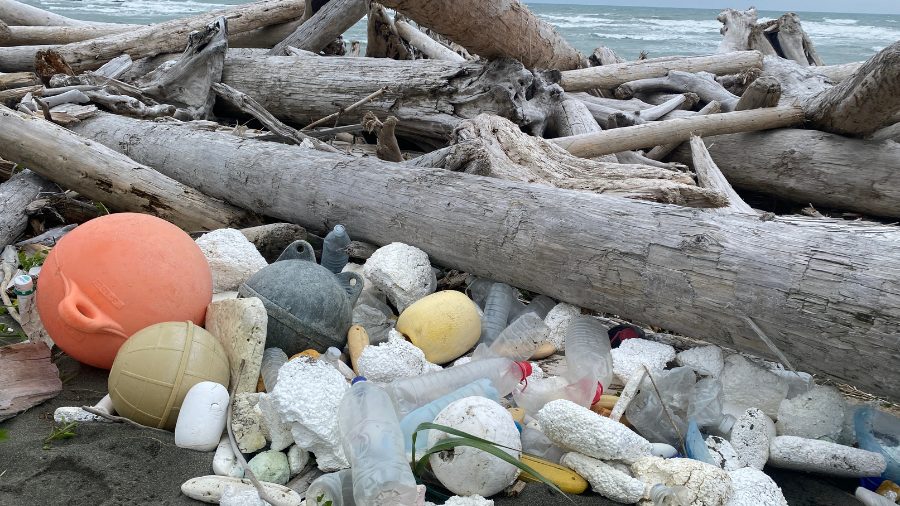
pixel 373 443
pixel 541 305
pixel 646 413
pixel 334 249
pixel 535 442
pixel 272 360
pixel 427 413
pixel 411 393
pixel 516 309
pixel 588 357
pixel 477 289
pixel 518 341
pixel 336 488
pixel 663 495
pixel 23 287
pixel 705 407
pixel 496 312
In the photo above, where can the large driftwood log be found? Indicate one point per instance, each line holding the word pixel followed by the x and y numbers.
pixel 764 91
pixel 428 97
pixel 811 167
pixel 495 29
pixel 681 82
pixel 813 287
pixel 663 132
pixel 663 150
pixel 43 35
pixel 382 39
pixel 323 27
pixel 610 76
pixel 430 47
pixel 170 36
pixel 101 174
pixel 864 103
pixel 18 13
pixel 18 80
pixel 16 193
pixel 492 146
pixel 740 32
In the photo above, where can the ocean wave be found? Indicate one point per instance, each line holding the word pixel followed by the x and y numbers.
pixel 841 21
pixel 817 29
pixel 577 21
pixel 134 8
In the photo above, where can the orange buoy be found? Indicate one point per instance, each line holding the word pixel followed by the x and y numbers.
pixel 116 275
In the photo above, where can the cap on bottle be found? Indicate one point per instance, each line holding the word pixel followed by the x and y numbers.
pixel 526 369
pixel 23 284
pixel 357 380
pixel 597 394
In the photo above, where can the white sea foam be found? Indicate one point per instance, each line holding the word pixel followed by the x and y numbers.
pixel 841 21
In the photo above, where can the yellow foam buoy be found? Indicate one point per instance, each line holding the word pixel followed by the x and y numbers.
pixel 357 340
pixel 444 325
pixel 311 353
pixel 566 479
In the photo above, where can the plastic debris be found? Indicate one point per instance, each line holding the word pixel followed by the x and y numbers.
pixel 246 423
pixel 634 354
pixel 232 258
pixel 708 485
pixel 401 272
pixel 334 249
pixel 747 385
pixel 240 325
pixel 724 455
pixel 606 480
pixel 271 466
pixel 751 436
pixel 814 456
pixel 704 360
pixel 392 360
pixel 816 414
pixel 444 325
pixel 558 320
pixel 752 487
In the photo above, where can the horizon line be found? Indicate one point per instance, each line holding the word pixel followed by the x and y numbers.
pixel 577 2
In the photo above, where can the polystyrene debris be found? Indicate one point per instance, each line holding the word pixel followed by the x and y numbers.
pixel 232 258
pixel 297 459
pixel 240 497
pixel 635 353
pixel 710 485
pixel 66 414
pixel 752 487
pixel 471 500
pixel 271 466
pixel 798 383
pixel 581 430
pixel 402 272
pixel 394 359
pixel 750 437
pixel 558 320
pixel 816 414
pixel 747 385
pixel 723 453
pixel 705 360
pixel 246 423
pixel 604 479
pixel 814 456
pixel 276 432
pixel 307 395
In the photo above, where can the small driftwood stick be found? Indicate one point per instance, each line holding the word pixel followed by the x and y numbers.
pixel 130 106
pixel 610 76
pixel 18 93
pixel 664 132
pixel 663 150
pixel 247 105
pixel 430 47
pixel 683 82
pixel 371 96
pixel 709 176
pixel 18 80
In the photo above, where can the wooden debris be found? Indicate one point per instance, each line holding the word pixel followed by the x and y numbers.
pixel 709 176
pixel 16 194
pixel 323 27
pixel 28 378
pixel 18 80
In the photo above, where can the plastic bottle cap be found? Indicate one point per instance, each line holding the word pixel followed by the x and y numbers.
pixel 24 285
pixel 358 379
pixel 526 369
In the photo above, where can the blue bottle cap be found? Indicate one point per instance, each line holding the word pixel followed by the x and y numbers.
pixel 357 379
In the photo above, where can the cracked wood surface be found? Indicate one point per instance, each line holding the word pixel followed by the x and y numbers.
pixel 15 194
pixel 826 292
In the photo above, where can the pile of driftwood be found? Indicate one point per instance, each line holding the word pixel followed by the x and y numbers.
pixel 475 132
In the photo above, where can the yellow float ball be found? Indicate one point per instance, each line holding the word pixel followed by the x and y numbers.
pixel 156 367
pixel 444 325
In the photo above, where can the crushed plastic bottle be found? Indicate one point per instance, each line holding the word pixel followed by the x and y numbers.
pixel 332 488
pixel 535 442
pixel 411 393
pixel 663 495
pixel 426 413
pixel 518 341
pixel 23 287
pixel 272 360
pixel 496 312
pixel 695 445
pixel 646 413
pixel 373 443
pixel 334 249
pixel 705 407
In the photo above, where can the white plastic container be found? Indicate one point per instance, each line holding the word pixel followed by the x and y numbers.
pixel 336 488
pixel 201 419
pixel 373 443
pixel 519 340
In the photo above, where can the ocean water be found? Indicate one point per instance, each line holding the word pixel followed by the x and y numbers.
pixel 839 38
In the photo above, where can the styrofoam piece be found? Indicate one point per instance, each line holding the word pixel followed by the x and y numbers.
pixel 750 437
pixel 66 414
pixel 752 487
pixel 558 320
pixel 471 500
pixel 814 456
pixel 271 466
pixel 723 453
pixel 240 325
pixel 224 461
pixel 869 498
pixel 209 489
pixel 635 353
pixel 604 479
pixel 402 272
pixel 232 258
pixel 394 359
pixel 276 432
pixel 232 497
pixel 581 430
pixel 709 485
pixel 663 450
pixel 307 396
pixel 816 414
pixel 705 360
pixel 627 395
pixel 201 418
pixel 246 423
pixel 798 383
pixel 297 459
pixel 469 471
pixel 747 385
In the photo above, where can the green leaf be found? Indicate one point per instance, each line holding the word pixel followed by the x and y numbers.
pixel 4 434
pixel 465 439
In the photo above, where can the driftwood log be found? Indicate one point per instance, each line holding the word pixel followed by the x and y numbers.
pixel 495 29
pixel 44 35
pixel 813 286
pixel 18 13
pixel 327 24
pixel 16 194
pixel 811 167
pixel 710 176
pixel 18 80
pixel 102 174
pixel 28 378
pixel 430 47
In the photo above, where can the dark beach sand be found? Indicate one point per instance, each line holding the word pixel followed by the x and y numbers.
pixel 112 464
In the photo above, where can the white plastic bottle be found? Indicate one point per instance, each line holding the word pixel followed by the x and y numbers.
pixel 201 418
pixel 373 443
pixel 23 287
pixel 496 311
pixel 336 488
pixel 427 413
pixel 705 407
pixel 411 393
pixel 333 356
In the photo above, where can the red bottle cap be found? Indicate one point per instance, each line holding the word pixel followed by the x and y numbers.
pixel 597 394
pixel 526 369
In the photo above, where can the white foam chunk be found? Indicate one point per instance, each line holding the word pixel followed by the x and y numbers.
pixel 814 456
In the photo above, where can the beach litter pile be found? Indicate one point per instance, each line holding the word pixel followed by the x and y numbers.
pixel 497 228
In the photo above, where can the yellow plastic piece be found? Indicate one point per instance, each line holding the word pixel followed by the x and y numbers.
pixel 518 414
pixel 607 401
pixel 544 350
pixel 886 487
pixel 156 367
pixel 311 353
pixel 566 479
pixel 357 340
pixel 444 325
